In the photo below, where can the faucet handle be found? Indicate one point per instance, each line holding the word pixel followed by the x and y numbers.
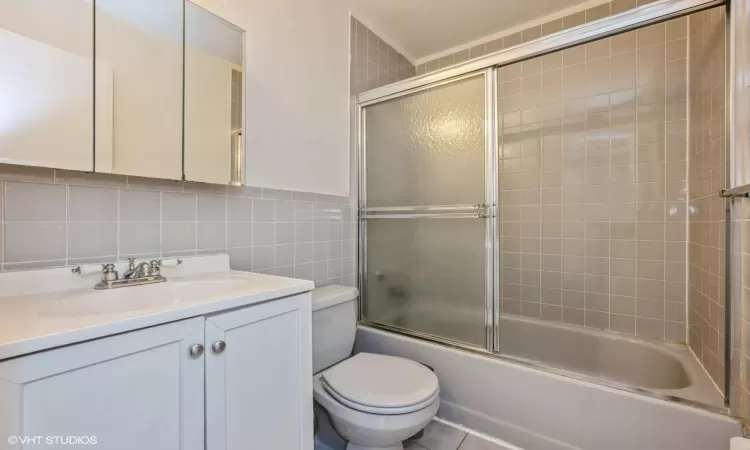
pixel 131 263
pixel 109 273
pixel 155 270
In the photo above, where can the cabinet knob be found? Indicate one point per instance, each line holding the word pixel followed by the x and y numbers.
pixel 218 347
pixel 196 350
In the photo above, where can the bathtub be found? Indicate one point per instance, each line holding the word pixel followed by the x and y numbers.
pixel 661 367
pixel 541 410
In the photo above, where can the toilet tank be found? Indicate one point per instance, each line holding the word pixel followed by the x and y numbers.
pixel 334 324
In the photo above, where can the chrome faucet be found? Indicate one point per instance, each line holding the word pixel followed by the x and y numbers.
pixel 137 274
pixel 141 270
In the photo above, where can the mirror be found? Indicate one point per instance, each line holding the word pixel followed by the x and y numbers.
pixel 98 86
pixel 139 60
pixel 214 99
pixel 46 78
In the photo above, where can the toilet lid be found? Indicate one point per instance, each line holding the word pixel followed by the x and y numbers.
pixel 381 384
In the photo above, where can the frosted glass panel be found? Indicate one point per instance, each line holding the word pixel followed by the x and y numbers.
pixel 428 275
pixel 427 148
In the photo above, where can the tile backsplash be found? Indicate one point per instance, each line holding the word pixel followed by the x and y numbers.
pixel 53 218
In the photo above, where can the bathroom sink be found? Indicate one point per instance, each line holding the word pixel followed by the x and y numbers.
pixel 108 302
pixel 215 282
pixel 140 298
pixel 207 286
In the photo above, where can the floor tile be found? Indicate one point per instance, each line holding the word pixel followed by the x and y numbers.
pixel 438 436
pixel 411 445
pixel 476 443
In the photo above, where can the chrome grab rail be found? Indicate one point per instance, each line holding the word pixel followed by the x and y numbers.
pixel 428 212
pixel 739 191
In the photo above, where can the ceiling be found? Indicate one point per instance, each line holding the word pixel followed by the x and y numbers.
pixel 421 28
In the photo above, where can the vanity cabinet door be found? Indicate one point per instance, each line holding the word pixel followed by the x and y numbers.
pixel 259 377
pixel 139 390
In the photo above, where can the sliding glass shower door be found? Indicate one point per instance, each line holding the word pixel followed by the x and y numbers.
pixel 427 256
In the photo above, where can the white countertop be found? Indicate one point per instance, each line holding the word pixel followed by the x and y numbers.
pixel 42 320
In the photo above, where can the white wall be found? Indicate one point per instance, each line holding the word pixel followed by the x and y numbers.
pixel 297 91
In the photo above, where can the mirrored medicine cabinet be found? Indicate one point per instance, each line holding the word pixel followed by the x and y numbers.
pixel 149 88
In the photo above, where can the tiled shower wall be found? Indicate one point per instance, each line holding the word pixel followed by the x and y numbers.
pixel 53 218
pixel 374 63
pixel 741 216
pixel 707 177
pixel 740 399
pixel 531 33
pixel 594 150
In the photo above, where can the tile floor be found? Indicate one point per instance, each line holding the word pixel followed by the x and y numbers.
pixel 439 436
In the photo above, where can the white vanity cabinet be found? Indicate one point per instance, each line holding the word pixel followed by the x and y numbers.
pixel 153 389
pixel 258 389
pixel 136 390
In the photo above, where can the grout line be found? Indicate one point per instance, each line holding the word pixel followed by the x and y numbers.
pixel 664 183
pixel 67 213
pixel 609 213
pixel 636 165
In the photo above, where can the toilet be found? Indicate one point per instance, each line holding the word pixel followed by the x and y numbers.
pixel 374 401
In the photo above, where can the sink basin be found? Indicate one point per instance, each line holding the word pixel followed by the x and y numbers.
pixel 107 302
pixel 139 298
pixel 209 284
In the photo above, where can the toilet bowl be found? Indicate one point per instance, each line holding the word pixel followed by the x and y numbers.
pixel 374 401
pixel 372 413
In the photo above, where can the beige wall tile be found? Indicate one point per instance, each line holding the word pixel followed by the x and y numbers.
pixel 598 12
pixel 97 220
pixel 619 6
pixel 26 202
pixel 34 241
pixel 92 204
pixel 574 20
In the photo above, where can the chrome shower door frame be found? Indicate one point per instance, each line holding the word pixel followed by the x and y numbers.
pixel 486 211
pixel 633 19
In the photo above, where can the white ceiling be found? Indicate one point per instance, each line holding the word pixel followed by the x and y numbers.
pixel 423 28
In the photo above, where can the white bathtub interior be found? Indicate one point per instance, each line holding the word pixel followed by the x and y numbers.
pixel 615 359
pixel 539 410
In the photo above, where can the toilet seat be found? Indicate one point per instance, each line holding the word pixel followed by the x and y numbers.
pixel 381 384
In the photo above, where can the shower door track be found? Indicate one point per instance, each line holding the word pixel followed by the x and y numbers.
pixel 486 66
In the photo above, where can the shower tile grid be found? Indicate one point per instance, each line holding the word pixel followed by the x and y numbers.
pixel 594 149
pixel 56 218
pixel 374 63
pixel 707 176
pixel 441 436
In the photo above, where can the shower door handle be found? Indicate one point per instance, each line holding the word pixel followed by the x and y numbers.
pixel 429 212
